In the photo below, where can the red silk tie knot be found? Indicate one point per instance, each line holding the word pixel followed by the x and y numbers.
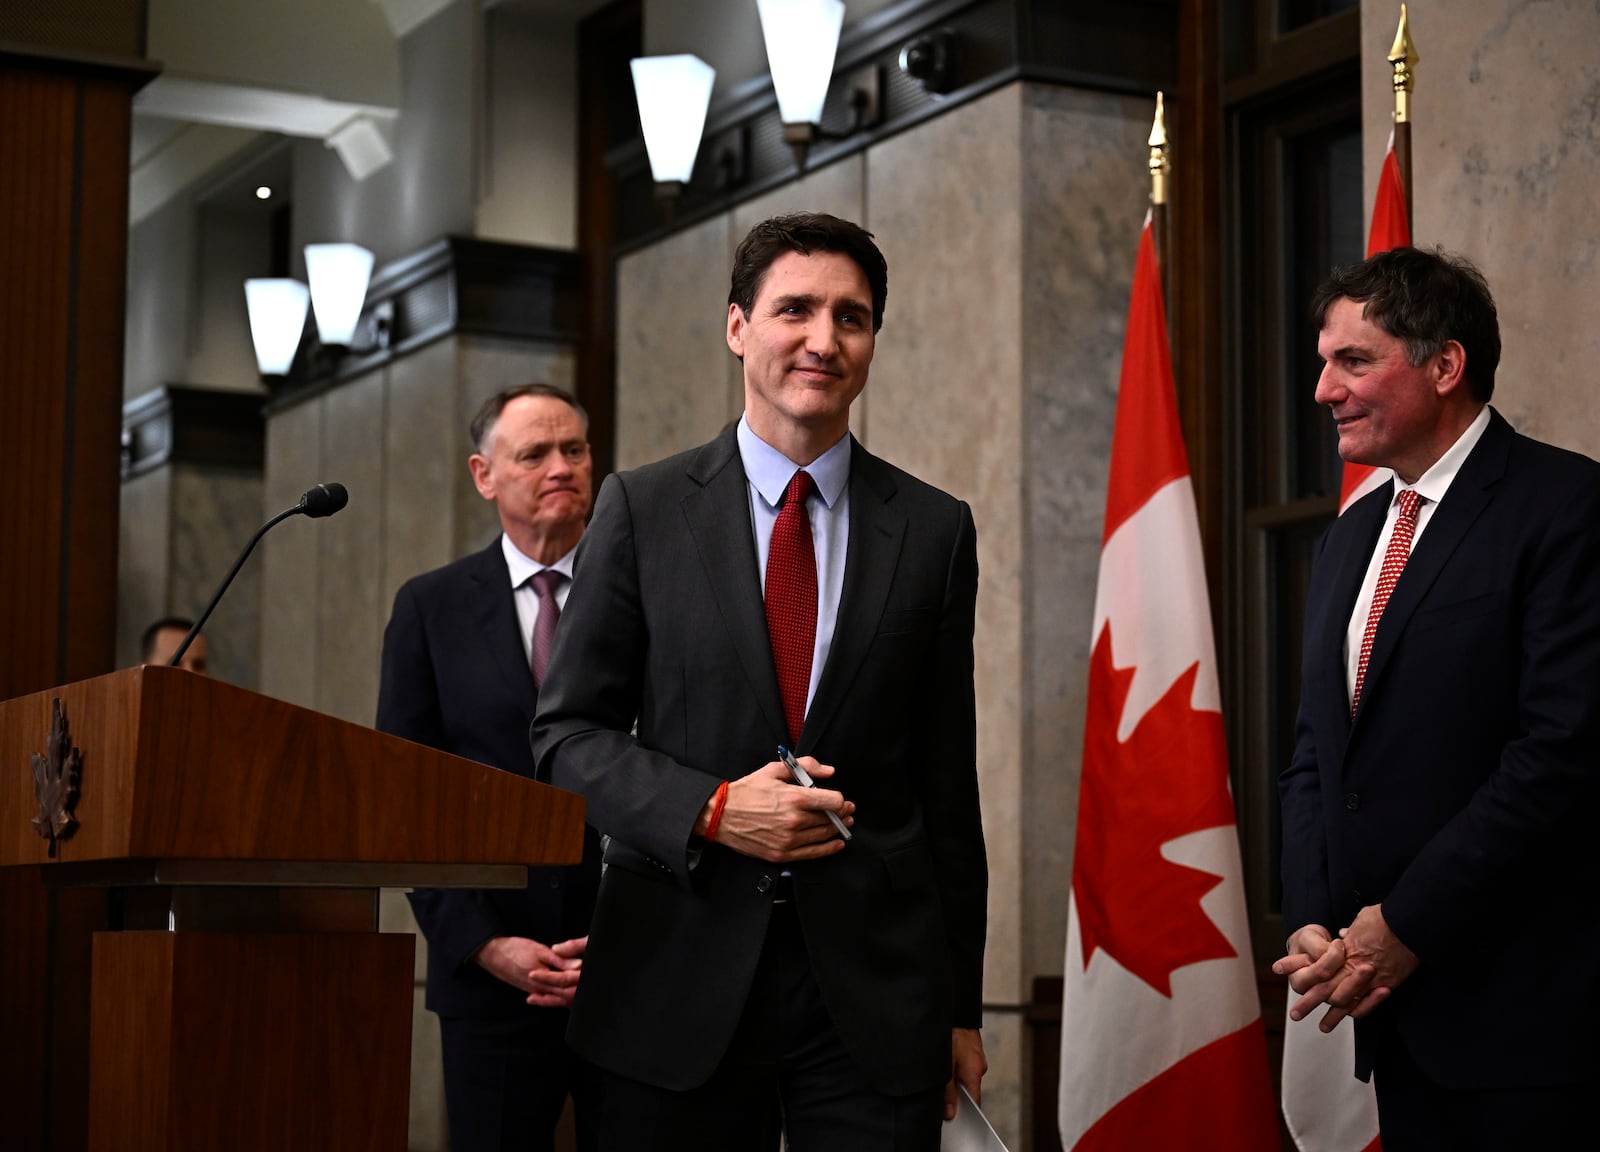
pixel 791 596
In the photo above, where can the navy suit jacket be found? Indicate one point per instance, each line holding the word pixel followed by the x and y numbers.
pixel 455 678
pixel 1461 795
pixel 666 626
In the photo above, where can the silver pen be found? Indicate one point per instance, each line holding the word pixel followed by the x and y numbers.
pixel 803 778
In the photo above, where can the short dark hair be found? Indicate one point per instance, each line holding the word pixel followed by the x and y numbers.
pixel 491 408
pixel 805 233
pixel 1423 297
pixel 147 638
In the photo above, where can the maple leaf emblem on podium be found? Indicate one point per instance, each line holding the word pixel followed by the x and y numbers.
pixel 55 781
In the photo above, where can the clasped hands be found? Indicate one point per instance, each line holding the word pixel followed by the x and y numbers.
pixel 1352 973
pixel 548 973
pixel 768 816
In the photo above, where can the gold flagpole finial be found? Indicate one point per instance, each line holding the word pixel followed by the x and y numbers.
pixel 1158 153
pixel 1403 59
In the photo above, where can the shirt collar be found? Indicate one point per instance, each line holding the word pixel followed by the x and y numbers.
pixel 523 567
pixel 1435 482
pixel 770 470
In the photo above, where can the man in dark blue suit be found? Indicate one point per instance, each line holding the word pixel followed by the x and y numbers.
pixel 1439 871
pixel 462 658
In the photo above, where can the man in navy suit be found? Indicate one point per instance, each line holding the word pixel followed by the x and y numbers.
pixel 461 660
pixel 1438 860
pixel 744 955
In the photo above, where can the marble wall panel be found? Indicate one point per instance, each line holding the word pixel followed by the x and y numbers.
pixel 677 383
pixel 1084 192
pixel 1005 1045
pixel 351 612
pixel 839 189
pixel 215 511
pixel 1506 138
pixel 424 463
pixel 483 367
pixel 291 567
pixel 144 528
pixel 947 406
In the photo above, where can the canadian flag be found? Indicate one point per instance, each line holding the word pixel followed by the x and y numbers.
pixel 1325 1107
pixel 1390 229
pixel 1161 1038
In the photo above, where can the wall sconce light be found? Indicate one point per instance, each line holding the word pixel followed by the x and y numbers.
pixel 339 274
pixel 673 94
pixel 802 37
pixel 277 319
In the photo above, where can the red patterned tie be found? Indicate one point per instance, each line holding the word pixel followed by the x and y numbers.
pixel 1394 560
pixel 792 600
pixel 545 583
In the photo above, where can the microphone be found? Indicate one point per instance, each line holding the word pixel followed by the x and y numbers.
pixel 318 501
pixel 323 500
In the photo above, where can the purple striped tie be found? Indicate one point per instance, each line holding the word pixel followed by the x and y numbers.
pixel 545 583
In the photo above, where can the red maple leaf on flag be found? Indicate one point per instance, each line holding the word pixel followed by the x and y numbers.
pixel 1167 780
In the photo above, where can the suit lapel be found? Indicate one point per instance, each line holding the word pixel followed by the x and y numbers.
pixel 1469 493
pixel 494 613
pixel 873 551
pixel 718 514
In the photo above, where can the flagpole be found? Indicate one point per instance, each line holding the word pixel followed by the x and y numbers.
pixel 1403 59
pixel 1158 186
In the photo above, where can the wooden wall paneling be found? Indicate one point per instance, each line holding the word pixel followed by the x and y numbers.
pixel 99 280
pixel 64 130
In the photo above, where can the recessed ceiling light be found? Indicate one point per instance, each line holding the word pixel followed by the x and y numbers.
pixel 263 192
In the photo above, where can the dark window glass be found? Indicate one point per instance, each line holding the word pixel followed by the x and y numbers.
pixel 1298 181
pixel 1324 229
pixel 1294 14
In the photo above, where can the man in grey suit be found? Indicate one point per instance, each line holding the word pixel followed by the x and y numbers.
pixel 778 586
pixel 462 660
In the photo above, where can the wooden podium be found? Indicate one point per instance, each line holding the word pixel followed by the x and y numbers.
pixel 274 1015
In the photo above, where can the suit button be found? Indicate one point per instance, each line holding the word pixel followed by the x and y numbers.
pixel 555 882
pixel 1352 800
pixel 764 885
pixel 1356 892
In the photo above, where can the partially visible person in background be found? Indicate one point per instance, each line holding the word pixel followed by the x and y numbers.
pixel 161 639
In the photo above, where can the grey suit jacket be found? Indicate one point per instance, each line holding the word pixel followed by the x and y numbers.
pixel 665 627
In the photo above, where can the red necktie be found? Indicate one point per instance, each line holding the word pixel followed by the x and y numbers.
pixel 545 583
pixel 792 600
pixel 1394 560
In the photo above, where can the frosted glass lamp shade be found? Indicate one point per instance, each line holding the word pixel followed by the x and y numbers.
pixel 338 275
pixel 801 36
pixel 673 94
pixel 277 320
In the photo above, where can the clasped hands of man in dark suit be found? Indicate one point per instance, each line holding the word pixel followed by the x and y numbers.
pixel 1352 973
pixel 548 973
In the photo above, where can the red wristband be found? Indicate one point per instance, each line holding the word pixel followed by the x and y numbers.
pixel 716 811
